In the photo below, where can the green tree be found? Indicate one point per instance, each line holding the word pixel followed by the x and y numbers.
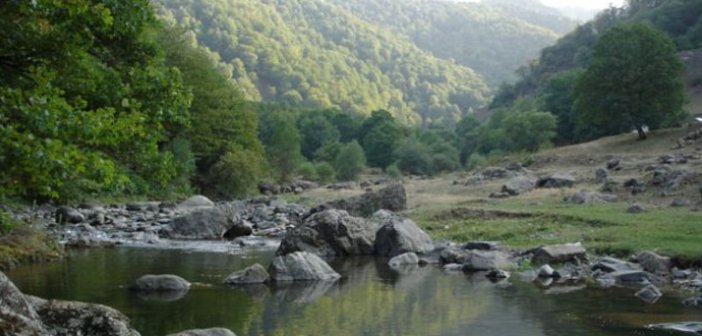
pixel 558 98
pixel 235 173
pixel 466 137
pixel 350 162
pixel 283 145
pixel 413 157
pixel 633 81
pixel 316 131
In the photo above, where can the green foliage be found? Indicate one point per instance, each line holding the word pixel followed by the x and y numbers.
pixel 529 130
pixel 466 137
pixel 325 172
pixel 379 135
pixel 86 101
pixel 307 171
pixel 236 173
pixel 413 157
pixel 393 171
pixel 558 99
pixel 316 132
pixel 476 160
pixel 350 162
pixel 633 81
pixel 7 224
pixel 281 140
pixel 322 54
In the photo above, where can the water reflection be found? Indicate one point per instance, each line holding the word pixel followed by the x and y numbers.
pixel 370 299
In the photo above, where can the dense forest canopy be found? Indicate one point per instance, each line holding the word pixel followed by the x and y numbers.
pixel 423 61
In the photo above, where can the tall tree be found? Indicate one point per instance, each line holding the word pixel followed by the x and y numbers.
pixel 633 80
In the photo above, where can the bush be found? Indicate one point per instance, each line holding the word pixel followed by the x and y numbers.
pixel 7 224
pixel 413 157
pixel 350 162
pixel 236 173
pixel 475 160
pixel 307 171
pixel 325 172
pixel 393 172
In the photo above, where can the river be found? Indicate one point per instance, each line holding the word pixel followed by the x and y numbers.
pixel 370 299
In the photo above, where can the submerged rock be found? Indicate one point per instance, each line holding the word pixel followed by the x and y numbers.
pixel 632 278
pixel 158 283
pixel 205 332
pixel 301 266
pixel 497 274
pixel 649 294
pixel 693 328
pixel 254 274
pixel 409 258
pixel 484 260
pixel 398 235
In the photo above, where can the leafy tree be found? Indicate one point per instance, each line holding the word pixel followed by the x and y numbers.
pixel 466 137
pixel 413 157
pixel 557 97
pixel 236 173
pixel 282 144
pixel 380 143
pixel 633 81
pixel 316 131
pixel 529 130
pixel 350 162
pixel 325 172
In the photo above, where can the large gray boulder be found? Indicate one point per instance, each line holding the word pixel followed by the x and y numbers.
pixel 484 260
pixel 398 235
pixel 210 223
pixel 205 332
pixel 330 233
pixel 17 316
pixel 519 185
pixel 633 278
pixel 160 283
pixel 409 258
pixel 557 180
pixel 559 253
pixel 68 318
pixel 609 264
pixel 392 198
pixel 301 266
pixel 254 274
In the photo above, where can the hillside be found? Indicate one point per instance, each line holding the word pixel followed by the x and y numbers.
pixel 327 53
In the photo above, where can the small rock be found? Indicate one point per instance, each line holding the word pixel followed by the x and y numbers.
pixel 482 245
pixel 680 274
pixel 254 274
pixel 559 253
pixel 519 185
pixel 608 265
pixel 557 180
pixel 497 274
pixel 546 271
pixel 693 301
pixel 654 263
pixel 680 202
pixel 484 260
pixel 453 255
pixel 649 294
pixel 453 267
pixel 636 208
pixel 197 201
pixel 601 175
pixel 68 215
pixel 409 258
pixel 590 197
pixel 614 164
pixel 205 332
pixel 636 278
pixel 301 266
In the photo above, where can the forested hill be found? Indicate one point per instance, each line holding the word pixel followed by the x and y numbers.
pixel 353 54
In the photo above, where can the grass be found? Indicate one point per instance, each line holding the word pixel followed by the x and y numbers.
pixel 26 244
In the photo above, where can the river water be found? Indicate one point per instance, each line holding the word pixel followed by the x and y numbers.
pixel 369 300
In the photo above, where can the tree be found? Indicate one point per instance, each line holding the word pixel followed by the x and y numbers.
pixel 283 146
pixel 413 157
pixel 557 98
pixel 633 80
pixel 350 162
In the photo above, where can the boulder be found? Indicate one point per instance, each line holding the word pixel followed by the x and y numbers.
pixel 268 188
pixel 160 283
pixel 557 180
pixel 636 208
pixel 693 301
pixel 496 173
pixel 608 265
pixel 68 318
pixel 691 328
pixel 654 263
pixel 680 202
pixel 632 278
pixel 17 316
pixel 497 274
pixel 398 235
pixel 482 245
pixel 205 332
pixel 484 260
pixel 197 201
pixel 330 233
pixel 254 274
pixel 601 175
pixel 546 271
pixel 452 255
pixel 649 294
pixel 635 186
pixel 589 197
pixel 559 253
pixel 669 179
pixel 409 258
pixel 208 223
pixel 301 266
pixel 519 185
pixel 68 215
pixel 392 198
pixel 614 164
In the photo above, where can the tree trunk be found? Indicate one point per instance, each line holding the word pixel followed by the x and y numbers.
pixel 642 134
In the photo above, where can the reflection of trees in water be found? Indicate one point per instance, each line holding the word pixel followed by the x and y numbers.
pixel 371 299
pixel 594 311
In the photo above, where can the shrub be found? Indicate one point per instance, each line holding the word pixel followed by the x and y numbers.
pixel 307 171
pixel 475 160
pixel 236 173
pixel 393 172
pixel 350 162
pixel 325 172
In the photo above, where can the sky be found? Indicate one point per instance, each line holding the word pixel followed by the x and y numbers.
pixel 590 4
